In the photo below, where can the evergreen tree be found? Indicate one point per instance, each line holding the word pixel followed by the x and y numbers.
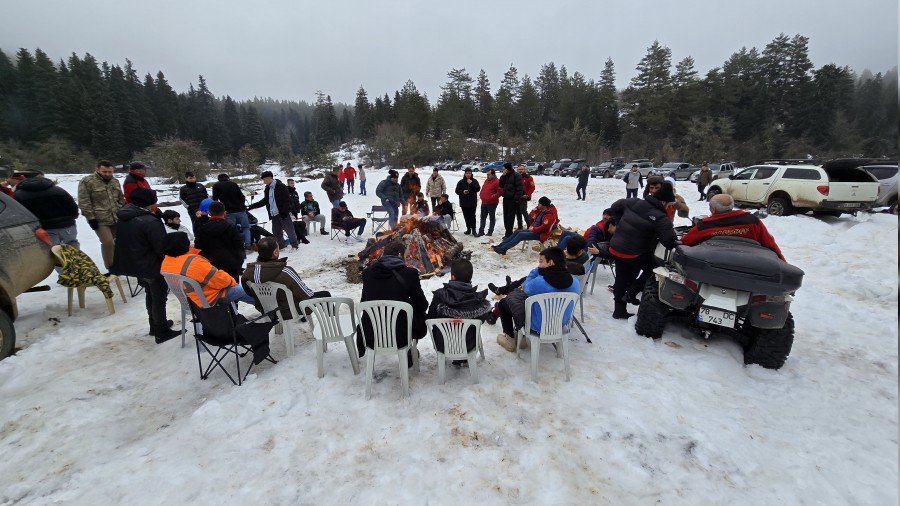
pixel 528 108
pixel 505 104
pixel 484 106
pixel 164 104
pixel 207 122
pixel 607 105
pixel 786 67
pixel 325 123
pixel 548 85
pixel 363 126
pixel 646 102
pixel 412 110
pixel 232 120
pixel 253 132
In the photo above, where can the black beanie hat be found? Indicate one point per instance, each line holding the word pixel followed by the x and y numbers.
pixel 507 166
pixel 544 201
pixel 136 165
pixel 665 193
pixel 142 197
pixel 223 177
pixel 176 244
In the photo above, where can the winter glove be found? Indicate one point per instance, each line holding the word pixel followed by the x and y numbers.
pixel 93 224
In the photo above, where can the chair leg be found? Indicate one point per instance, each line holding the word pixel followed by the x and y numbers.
pixel 535 356
pixel 71 294
pixel 481 346
pixel 593 281
pixel 320 357
pixel 288 333
pixel 121 290
pixel 183 326
pixel 415 354
pixel 351 350
pixel 565 352
pixel 442 365
pixel 110 305
pixel 473 368
pixel 404 371
pixel 81 290
pixel 581 305
pixel 519 336
pixel 370 371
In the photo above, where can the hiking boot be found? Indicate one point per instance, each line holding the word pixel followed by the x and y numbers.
pixel 498 250
pixel 493 288
pixel 164 334
pixel 523 345
pixel 323 232
pixel 304 240
pixel 169 324
pixel 506 342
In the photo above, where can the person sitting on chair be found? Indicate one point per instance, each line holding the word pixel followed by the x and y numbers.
pixel 184 260
pixel 310 211
pixel 576 256
pixel 444 209
pixel 268 267
pixel 421 207
pixel 343 219
pixel 459 299
pixel 543 218
pixel 172 220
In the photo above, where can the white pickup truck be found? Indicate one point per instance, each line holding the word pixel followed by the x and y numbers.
pixel 837 187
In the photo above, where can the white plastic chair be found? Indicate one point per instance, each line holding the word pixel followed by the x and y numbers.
pixel 543 244
pixel 267 294
pixel 453 331
pixel 553 308
pixel 383 317
pixel 60 260
pixel 180 286
pixel 333 327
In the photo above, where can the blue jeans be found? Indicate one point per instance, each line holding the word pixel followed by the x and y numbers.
pixel 517 237
pixel 392 211
pixel 336 203
pixel 488 210
pixel 237 293
pixel 67 235
pixel 362 186
pixel 242 223
pixel 564 239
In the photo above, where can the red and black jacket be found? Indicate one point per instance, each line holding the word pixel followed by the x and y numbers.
pixel 735 223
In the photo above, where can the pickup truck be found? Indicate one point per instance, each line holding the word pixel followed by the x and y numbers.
pixel 719 170
pixel 837 187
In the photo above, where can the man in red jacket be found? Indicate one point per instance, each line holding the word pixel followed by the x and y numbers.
pixel 527 190
pixel 135 179
pixel 725 221
pixel 545 217
pixel 490 198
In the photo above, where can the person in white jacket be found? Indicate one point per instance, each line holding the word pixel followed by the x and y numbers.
pixel 435 187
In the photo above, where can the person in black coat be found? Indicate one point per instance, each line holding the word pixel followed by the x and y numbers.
pixel 581 188
pixel 467 188
pixel 53 206
pixel 191 195
pixel 410 185
pixel 138 253
pixel 277 201
pixel 511 186
pixel 640 225
pixel 220 243
pixel 390 279
pixel 459 299
pixel 230 194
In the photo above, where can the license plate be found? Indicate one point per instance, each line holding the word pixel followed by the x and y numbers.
pixel 716 317
pixel 852 205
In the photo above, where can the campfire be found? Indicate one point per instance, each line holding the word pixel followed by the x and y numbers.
pixel 430 248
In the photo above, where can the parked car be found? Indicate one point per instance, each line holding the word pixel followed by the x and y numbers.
pixel 534 168
pixel 493 165
pixel 572 168
pixel 553 170
pixel 645 166
pixel 25 260
pixel 677 170
pixel 886 174
pixel 608 168
pixel 480 166
pixel 719 170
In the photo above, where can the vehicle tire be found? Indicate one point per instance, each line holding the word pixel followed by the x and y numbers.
pixel 779 206
pixel 556 173
pixel 7 335
pixel 607 174
pixel 893 208
pixel 712 192
pixel 769 347
pixel 652 314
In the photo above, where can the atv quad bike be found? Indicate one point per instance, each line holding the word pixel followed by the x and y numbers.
pixel 728 284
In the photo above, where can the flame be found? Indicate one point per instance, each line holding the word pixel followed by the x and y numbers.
pixel 428 248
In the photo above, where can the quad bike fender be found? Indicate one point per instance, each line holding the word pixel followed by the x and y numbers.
pixel 771 314
pixel 672 291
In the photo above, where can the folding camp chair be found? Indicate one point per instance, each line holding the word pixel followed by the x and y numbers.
pixel 380 220
pixel 336 229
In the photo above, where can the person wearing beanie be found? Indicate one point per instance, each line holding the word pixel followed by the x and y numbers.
pixel 467 188
pixel 269 267
pixel 543 218
pixel 100 198
pixel 511 186
pixel 343 219
pixel 53 206
pixel 182 259
pixel 135 179
pixel 230 194
pixel 138 253
pixel 220 242
pixel 389 193
pixel 640 225
pixel 191 195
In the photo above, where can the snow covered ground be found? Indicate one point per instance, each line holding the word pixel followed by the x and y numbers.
pixel 95 413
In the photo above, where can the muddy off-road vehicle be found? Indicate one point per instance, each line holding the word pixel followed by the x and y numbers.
pixel 725 284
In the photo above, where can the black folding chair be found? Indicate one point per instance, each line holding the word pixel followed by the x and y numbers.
pixel 378 221
pixel 222 332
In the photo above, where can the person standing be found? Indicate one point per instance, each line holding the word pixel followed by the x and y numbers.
pixel 389 193
pixel 135 179
pixel 138 253
pixel 511 186
pixel 703 180
pixel 191 194
pixel 220 243
pixel 277 202
pixel 350 177
pixel 410 185
pixel 333 186
pixel 527 190
pixel 435 187
pixel 295 198
pixel 581 188
pixel 467 188
pixel 362 180
pixel 490 198
pixel 230 194
pixel 100 197
pixel 53 206
pixel 633 180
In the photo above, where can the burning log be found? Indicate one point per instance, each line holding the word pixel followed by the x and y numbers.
pixel 429 247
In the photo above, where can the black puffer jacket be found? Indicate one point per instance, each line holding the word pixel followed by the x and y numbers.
pixel 191 194
pixel 390 279
pixel 470 199
pixel 221 244
pixel 511 185
pixel 458 300
pixel 52 205
pixel 230 195
pixel 282 199
pixel 641 223
pixel 139 238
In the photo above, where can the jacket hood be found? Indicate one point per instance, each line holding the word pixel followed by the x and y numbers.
pixel 460 293
pixel 557 277
pixel 385 266
pixel 131 211
pixel 35 184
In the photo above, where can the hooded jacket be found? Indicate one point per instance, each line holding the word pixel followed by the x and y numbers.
pixel 133 181
pixel 549 280
pixel 389 278
pixel 435 187
pixel 597 233
pixel 52 205
pixel 511 185
pixel 470 199
pixel 277 271
pixel 213 281
pixel 737 223
pixel 544 221
pixel 139 241
pixel 333 187
pixel 641 223
pixel 490 192
pixel 230 195
pixel 458 299
pixel 388 190
pixel 100 199
pixel 221 243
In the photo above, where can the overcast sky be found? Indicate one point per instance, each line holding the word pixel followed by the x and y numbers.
pixel 289 49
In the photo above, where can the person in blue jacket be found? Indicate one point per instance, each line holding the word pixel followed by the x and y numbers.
pixel 549 276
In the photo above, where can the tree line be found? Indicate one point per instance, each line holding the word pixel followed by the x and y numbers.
pixel 772 102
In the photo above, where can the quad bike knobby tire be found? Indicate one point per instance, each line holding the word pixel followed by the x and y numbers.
pixel 769 347
pixel 652 314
